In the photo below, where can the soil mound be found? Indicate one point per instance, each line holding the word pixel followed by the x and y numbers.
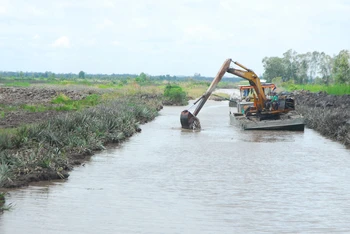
pixel 327 114
pixel 33 95
pixel 322 100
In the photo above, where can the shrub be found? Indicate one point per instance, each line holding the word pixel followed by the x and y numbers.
pixel 34 108
pixel 175 94
pixel 60 99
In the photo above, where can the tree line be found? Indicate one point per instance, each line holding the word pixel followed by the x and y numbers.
pixel 142 77
pixel 309 68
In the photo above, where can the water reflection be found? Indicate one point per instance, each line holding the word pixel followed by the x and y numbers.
pixel 271 136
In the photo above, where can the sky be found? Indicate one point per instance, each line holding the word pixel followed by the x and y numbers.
pixel 159 37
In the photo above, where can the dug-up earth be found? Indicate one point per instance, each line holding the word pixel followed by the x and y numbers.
pixel 327 114
pixel 11 97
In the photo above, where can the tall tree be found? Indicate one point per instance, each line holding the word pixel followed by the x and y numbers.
pixel 273 68
pixel 81 74
pixel 314 59
pixel 326 64
pixel 290 64
pixel 302 68
pixel 341 67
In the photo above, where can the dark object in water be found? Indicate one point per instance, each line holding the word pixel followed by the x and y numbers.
pixel 189 121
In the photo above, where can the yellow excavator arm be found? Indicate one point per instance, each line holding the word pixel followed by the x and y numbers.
pixel 190 121
pixel 254 81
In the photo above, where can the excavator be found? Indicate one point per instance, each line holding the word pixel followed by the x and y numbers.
pixel 260 109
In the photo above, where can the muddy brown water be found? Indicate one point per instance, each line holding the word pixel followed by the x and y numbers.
pixel 218 180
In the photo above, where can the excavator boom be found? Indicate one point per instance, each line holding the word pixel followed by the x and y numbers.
pixel 190 121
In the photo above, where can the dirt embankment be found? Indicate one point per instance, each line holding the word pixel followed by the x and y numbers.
pixel 327 114
pixel 12 98
pixel 13 115
pixel 17 96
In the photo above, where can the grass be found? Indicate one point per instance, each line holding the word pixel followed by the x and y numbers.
pixel 67 104
pixel 242 82
pixel 60 99
pixel 6 108
pixel 133 89
pixel 221 95
pixel 91 83
pixel 227 85
pixel 336 89
pixel 35 108
pixel 110 85
pixel 45 146
pixel 71 82
pixel 4 207
pixel 18 84
pixel 60 103
pixel 2 199
pixel 194 89
pixel 7 131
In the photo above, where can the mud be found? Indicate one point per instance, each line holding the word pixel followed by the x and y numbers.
pixel 323 100
pixel 35 95
pixel 16 118
pixel 41 174
pixel 327 114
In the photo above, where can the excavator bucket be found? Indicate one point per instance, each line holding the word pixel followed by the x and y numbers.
pixel 189 121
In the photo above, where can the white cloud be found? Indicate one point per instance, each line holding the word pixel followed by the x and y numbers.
pixel 106 23
pixel 3 10
pixel 182 31
pixel 138 22
pixel 116 43
pixel 62 42
pixel 108 3
pixel 202 33
pixel 89 42
pixel 35 11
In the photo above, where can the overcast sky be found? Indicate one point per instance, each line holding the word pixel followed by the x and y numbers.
pixel 176 37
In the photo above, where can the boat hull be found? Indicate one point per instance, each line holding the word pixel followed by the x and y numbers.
pixel 291 123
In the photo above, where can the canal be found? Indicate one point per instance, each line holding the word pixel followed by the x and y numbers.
pixel 217 180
